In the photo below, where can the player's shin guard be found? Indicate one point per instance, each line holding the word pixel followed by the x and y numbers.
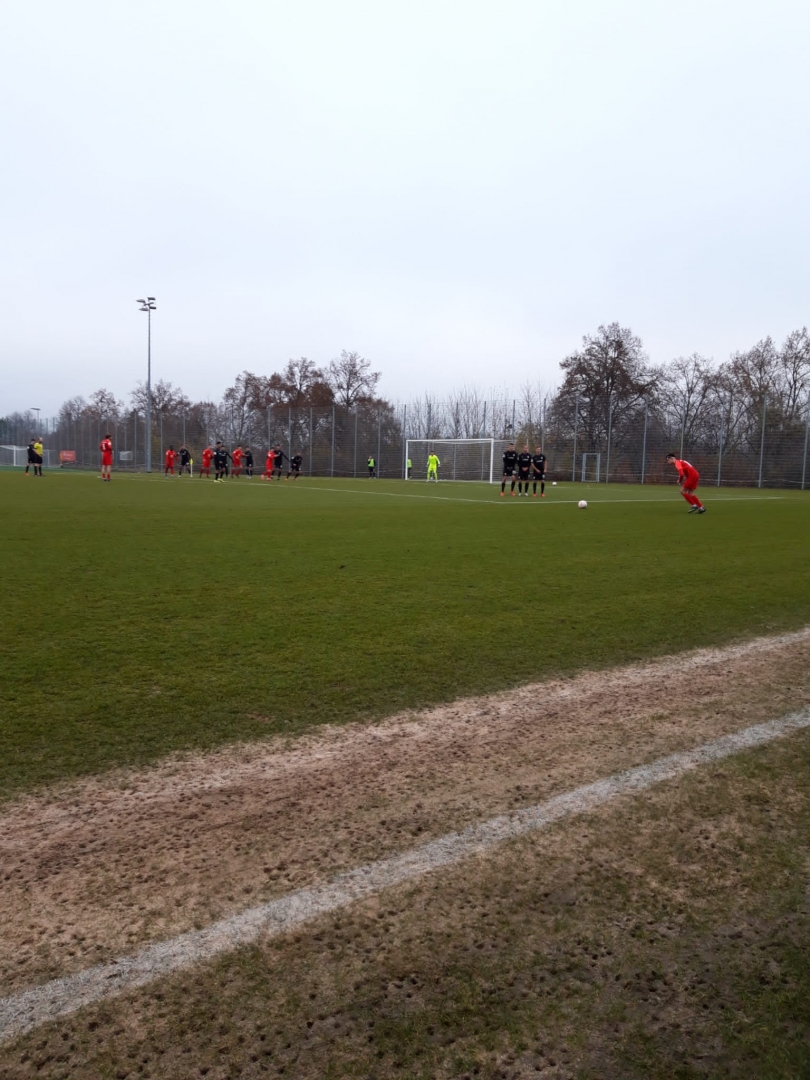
pixel 513 486
pixel 503 486
pixel 542 486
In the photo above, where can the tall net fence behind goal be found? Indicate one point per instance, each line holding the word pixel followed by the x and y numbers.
pixel 460 459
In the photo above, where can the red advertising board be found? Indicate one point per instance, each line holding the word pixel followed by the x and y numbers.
pixel 67 457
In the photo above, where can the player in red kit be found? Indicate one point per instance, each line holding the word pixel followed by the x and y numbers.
pixel 688 478
pixel 105 446
pixel 171 457
pixel 208 453
pixel 237 456
pixel 270 465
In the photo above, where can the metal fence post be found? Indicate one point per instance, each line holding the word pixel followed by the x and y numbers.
pixel 683 427
pixel 355 442
pixel 333 441
pixel 720 450
pixel 644 444
pixel 610 429
pixel 379 444
pixel 762 440
pixel 576 424
pixel 804 458
pixel 404 442
pixel 310 441
pixel 289 431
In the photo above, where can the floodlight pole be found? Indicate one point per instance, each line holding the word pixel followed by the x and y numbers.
pixel 148 305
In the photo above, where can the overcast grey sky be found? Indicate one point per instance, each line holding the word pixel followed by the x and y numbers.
pixel 457 189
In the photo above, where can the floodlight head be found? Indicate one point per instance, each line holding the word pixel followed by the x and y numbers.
pixel 140 301
pixel 150 298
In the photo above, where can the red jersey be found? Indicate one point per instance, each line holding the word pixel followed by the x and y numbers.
pixel 271 457
pixel 105 446
pixel 208 453
pixel 171 457
pixel 687 474
pixel 237 457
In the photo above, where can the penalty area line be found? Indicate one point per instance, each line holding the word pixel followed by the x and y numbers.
pixel 25 1011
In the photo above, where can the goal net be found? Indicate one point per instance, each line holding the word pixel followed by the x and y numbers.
pixel 461 459
pixel 18 456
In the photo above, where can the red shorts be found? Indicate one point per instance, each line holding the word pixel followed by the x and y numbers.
pixel 106 459
pixel 691 481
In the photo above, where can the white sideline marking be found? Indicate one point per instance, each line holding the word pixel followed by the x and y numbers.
pixel 552 502
pixel 25 1011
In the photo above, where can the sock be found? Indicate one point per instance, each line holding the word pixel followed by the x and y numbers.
pixel 534 487
pixel 513 486
pixel 542 486
pixel 503 486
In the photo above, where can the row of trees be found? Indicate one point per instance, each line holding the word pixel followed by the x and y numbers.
pixel 608 386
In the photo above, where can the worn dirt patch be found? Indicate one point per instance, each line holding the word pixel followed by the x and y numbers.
pixel 94 869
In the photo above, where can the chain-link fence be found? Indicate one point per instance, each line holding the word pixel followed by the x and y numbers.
pixel 758 449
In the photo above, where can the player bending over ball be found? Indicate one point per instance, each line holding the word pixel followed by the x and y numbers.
pixel 433 468
pixel 539 472
pixel 688 478
pixel 509 465
pixel 524 465
pixel 106 457
pixel 296 461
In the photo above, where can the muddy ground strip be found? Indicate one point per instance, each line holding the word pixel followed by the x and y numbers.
pixel 100 868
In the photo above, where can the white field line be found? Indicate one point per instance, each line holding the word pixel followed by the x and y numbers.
pixel 552 502
pixel 25 1011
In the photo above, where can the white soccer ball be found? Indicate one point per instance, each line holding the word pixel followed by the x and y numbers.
pixel 553 483
pixel 582 504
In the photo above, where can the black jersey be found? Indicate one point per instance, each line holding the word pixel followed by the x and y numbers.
pixel 296 462
pixel 509 460
pixel 185 456
pixel 280 455
pixel 248 458
pixel 32 455
pixel 539 462
pixel 524 461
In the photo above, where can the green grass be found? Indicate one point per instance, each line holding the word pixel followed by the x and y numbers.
pixel 145 616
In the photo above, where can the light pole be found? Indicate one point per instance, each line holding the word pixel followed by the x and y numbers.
pixel 37 411
pixel 148 305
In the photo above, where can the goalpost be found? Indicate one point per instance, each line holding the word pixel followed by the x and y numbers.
pixel 461 459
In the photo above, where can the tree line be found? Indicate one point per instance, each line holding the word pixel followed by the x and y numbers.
pixel 606 387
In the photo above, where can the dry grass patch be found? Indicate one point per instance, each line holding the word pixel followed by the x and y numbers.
pixel 663 937
pixel 100 868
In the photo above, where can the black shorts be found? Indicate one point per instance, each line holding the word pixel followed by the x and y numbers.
pixel 523 474
pixel 295 469
pixel 538 476
pixel 508 472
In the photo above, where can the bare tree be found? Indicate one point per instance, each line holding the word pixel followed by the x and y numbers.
pixel 351 379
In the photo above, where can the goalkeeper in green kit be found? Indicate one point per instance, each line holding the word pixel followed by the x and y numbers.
pixel 433 468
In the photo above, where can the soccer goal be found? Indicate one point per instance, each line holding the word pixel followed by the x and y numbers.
pixel 460 459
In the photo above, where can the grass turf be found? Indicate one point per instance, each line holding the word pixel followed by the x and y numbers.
pixel 145 616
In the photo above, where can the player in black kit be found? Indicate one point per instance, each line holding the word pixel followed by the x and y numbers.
pixel 185 460
pixel 539 472
pixel 509 465
pixel 524 465
pixel 278 460
pixel 248 462
pixel 295 466
pixel 221 459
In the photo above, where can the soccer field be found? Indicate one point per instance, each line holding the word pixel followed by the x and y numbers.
pixel 150 615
